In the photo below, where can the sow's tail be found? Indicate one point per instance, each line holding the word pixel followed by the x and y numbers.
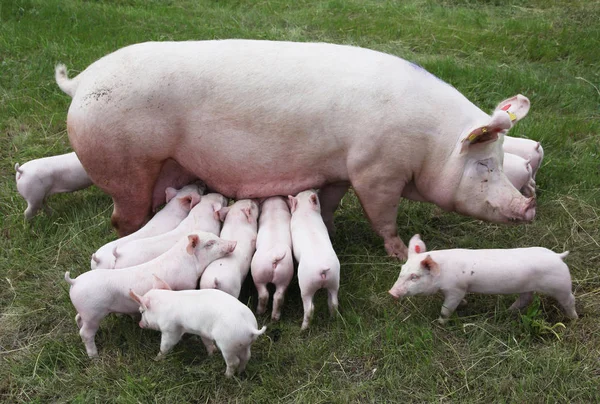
pixel 68 279
pixel 563 255
pixel 69 86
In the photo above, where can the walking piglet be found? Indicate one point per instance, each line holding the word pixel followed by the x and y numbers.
pixel 217 317
pixel 456 272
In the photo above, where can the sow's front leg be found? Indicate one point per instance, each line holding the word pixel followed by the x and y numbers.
pixel 379 198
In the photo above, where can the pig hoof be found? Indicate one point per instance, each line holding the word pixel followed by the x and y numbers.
pixel 304 326
pixel 463 303
pixel 159 357
pixel 442 321
pixel 275 317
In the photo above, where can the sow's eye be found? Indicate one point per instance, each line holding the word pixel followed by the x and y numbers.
pixel 210 243
pixel 414 277
pixel 484 166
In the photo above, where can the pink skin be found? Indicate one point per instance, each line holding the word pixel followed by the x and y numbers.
pixel 456 272
pixel 380 124
pixel 202 217
pixel 527 149
pixel 228 273
pixel 318 265
pixel 40 178
pixel 179 204
pixel 218 318
pixel 273 261
pixel 518 171
pixel 95 294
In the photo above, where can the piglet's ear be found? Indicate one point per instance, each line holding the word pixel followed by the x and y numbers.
pixel 499 122
pixel 138 299
pixel 194 240
pixel 216 206
pixel 158 283
pixel 516 107
pixel 195 200
pixel 430 265
pixel 170 193
pixel 293 203
pixel 314 200
pixel 223 213
pixel 248 213
pixel 416 246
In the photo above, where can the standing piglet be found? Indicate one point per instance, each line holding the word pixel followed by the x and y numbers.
pixel 179 204
pixel 203 216
pixel 318 265
pixel 273 261
pixel 218 318
pixel 95 294
pixel 519 173
pixel 40 178
pixel 526 148
pixel 456 272
pixel 228 273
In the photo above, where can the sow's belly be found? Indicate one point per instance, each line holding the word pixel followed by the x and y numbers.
pixel 251 167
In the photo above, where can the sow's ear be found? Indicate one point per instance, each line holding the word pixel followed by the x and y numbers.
pixel 293 203
pixel 499 122
pixel 158 283
pixel 430 265
pixel 170 193
pixel 416 246
pixel 194 240
pixel 516 107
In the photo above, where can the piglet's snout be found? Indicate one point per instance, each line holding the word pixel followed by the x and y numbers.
pixel 529 210
pixel 142 324
pixel 396 294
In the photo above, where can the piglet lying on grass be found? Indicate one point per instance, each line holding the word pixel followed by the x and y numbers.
pixel 318 265
pixel 456 272
pixel 217 317
pixel 40 178
pixel 95 294
pixel 204 216
pixel 179 204
pixel 273 261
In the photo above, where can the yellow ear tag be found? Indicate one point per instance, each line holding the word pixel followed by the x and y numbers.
pixel 512 116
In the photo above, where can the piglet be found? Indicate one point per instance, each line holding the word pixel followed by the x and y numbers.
pixel 518 170
pixel 273 261
pixel 97 293
pixel 228 273
pixel 217 317
pixel 318 265
pixel 179 204
pixel 456 272
pixel 204 216
pixel 40 178
pixel 526 148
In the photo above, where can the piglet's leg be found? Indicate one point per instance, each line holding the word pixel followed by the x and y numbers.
pixel 244 357
pixel 332 300
pixel 168 339
pixel 210 345
pixel 278 302
pixel 452 299
pixel 309 309
pixel 88 330
pixel 232 360
pixel 263 297
pixel 567 301
pixel 523 300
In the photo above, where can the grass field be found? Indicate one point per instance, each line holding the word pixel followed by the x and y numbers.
pixel 377 350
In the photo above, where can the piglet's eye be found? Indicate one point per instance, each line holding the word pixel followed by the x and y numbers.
pixel 414 277
pixel 210 243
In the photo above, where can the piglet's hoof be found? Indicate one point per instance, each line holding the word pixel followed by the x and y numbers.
pixel 159 357
pixel 442 321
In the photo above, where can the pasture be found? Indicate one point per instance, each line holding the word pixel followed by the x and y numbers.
pixel 377 349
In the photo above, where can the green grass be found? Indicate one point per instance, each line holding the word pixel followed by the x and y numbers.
pixel 377 350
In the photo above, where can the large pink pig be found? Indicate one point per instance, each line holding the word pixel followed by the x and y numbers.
pixel 262 118
pixel 457 271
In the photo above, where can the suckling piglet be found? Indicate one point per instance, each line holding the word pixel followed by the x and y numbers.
pixel 456 272
pixel 204 216
pixel 179 204
pixel 217 317
pixel 95 294
pixel 37 179
pixel 273 261
pixel 318 265
pixel 240 225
